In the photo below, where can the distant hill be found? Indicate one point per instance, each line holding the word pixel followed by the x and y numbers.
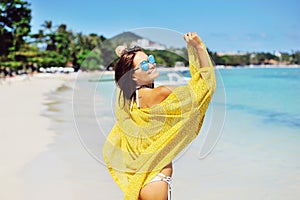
pixel 130 39
pixel 125 38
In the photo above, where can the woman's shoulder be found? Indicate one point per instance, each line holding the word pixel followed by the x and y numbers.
pixel 157 95
pixel 163 91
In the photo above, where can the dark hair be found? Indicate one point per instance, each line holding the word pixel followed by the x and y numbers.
pixel 124 71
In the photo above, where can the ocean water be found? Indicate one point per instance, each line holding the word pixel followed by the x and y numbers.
pixel 254 117
pixel 271 94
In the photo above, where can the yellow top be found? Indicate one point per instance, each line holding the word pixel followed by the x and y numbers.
pixel 143 141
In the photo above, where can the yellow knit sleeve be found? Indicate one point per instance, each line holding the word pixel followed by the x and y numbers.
pixel 201 74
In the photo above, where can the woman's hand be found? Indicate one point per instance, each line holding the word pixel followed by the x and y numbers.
pixel 194 40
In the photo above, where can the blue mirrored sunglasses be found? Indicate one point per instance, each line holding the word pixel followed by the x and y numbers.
pixel 145 64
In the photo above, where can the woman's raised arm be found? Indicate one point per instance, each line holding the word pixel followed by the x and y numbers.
pixel 195 41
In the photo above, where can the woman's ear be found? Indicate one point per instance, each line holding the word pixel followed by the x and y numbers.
pixel 136 80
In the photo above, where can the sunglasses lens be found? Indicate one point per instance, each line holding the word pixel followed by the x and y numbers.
pixel 151 59
pixel 144 66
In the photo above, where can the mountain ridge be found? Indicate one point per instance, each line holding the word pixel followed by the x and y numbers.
pixel 130 39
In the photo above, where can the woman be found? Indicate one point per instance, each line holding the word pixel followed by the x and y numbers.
pixel 155 124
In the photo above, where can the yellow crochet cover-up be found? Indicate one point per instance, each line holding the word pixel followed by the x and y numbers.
pixel 143 141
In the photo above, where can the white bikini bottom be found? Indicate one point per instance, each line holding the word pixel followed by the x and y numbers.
pixel 167 179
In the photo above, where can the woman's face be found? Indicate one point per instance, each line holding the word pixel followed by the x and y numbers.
pixel 140 76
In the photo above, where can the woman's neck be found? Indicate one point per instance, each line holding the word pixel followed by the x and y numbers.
pixel 151 85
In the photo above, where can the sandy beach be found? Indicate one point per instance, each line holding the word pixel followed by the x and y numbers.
pixel 37 162
pixel 24 132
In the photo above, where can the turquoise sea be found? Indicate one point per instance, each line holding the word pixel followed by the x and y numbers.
pixel 270 94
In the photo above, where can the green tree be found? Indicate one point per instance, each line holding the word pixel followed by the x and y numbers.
pixel 39 38
pixel 47 25
pixel 167 58
pixel 93 48
pixel 62 40
pixel 15 20
pixel 296 58
pixel 49 36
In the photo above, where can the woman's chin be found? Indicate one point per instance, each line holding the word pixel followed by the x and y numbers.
pixel 155 75
pixel 151 78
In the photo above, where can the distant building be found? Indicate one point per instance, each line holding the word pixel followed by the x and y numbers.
pixel 179 64
pixel 231 53
pixel 278 54
pixel 147 44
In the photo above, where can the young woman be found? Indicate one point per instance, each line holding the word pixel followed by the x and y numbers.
pixel 154 124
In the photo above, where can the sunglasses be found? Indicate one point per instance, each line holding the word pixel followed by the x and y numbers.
pixel 145 64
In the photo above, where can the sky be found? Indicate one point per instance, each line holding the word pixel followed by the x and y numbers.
pixel 224 25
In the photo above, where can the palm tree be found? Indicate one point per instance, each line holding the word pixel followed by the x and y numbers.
pixel 50 36
pixel 47 25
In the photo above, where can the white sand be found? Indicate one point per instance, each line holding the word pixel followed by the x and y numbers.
pixel 37 162
pixel 24 132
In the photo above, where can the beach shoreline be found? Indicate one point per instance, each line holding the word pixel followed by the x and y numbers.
pixel 62 76
pixel 24 132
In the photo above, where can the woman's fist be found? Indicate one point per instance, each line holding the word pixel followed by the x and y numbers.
pixel 194 40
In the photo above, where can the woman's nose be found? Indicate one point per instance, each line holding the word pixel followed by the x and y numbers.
pixel 152 65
